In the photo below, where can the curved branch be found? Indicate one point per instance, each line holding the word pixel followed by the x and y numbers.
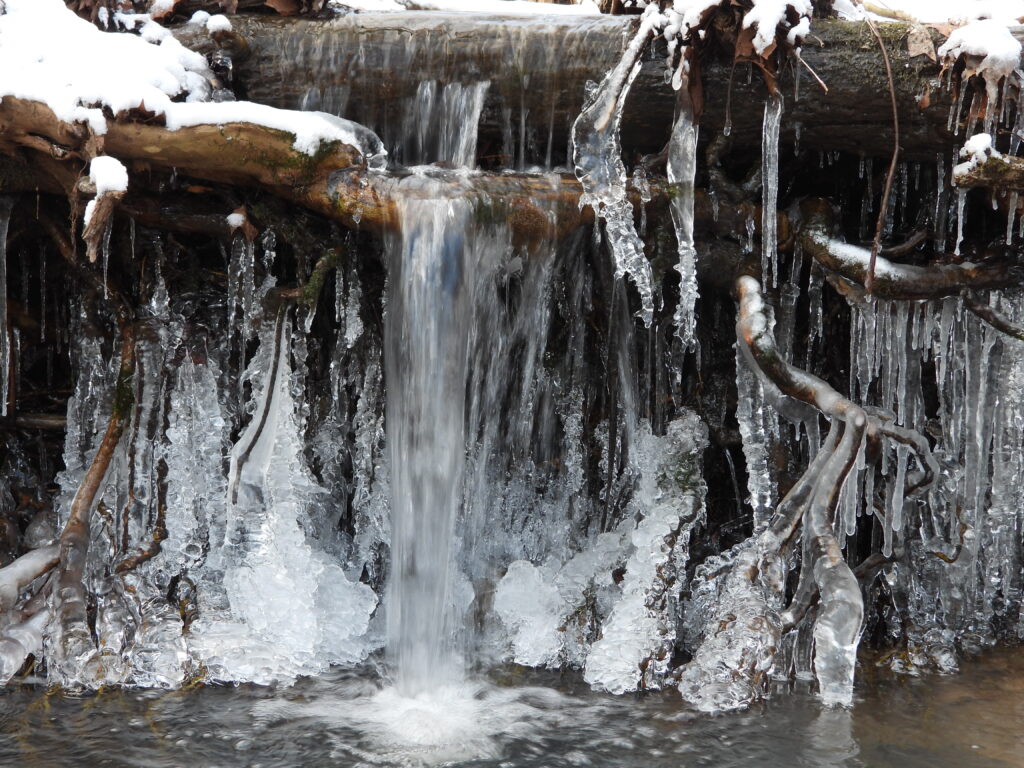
pixel 992 317
pixel 891 280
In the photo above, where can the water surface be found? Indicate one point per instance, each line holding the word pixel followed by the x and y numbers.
pixel 520 720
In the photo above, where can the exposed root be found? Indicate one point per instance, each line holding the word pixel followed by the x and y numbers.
pixel 869 282
pixel 71 630
pixel 815 498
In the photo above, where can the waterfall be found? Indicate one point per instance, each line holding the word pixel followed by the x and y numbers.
pixel 426 347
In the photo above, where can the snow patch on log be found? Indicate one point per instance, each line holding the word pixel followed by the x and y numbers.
pixel 975 152
pixel 989 41
pixel 50 55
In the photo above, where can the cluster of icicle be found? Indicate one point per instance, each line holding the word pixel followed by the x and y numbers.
pixel 597 150
pixel 958 553
pixel 251 557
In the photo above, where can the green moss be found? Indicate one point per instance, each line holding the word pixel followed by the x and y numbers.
pixel 311 290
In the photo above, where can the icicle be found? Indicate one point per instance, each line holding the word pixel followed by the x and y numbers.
pixel 961 200
pixel 750 407
pixel 1011 213
pixel 42 294
pixel 682 169
pixel 108 230
pixel 939 219
pixel 867 200
pixel 598 164
pixel 816 320
pixel 6 205
pixel 955 110
pixel 770 189
pixel 896 512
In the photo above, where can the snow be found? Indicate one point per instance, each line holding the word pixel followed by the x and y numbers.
pixel 505 7
pixel 990 40
pixel 975 152
pixel 108 174
pixel 218 23
pixel 236 220
pixel 938 11
pixel 309 128
pixel 367 5
pixel 767 15
pixel 50 55
pixel 199 17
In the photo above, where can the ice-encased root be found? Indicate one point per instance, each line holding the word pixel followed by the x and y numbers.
pixel 840 614
pixel 71 639
pixel 733 623
pixel 15 576
pixel 732 618
pixel 597 156
pixel 837 627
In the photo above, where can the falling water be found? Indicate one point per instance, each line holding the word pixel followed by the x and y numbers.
pixel 426 345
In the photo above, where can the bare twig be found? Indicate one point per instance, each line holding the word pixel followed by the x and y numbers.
pixel 993 318
pixel 869 282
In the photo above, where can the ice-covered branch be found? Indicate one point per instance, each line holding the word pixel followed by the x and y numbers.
pixel 23 571
pixel 989 314
pixel 892 280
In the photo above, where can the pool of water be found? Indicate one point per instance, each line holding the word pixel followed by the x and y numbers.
pixel 518 720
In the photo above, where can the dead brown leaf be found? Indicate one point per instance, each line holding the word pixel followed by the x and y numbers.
pixel 919 43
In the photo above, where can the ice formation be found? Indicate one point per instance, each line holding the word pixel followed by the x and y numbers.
pixel 638 636
pixel 505 504
pixel 599 167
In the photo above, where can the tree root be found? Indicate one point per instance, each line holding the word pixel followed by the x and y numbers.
pixel 71 630
pixel 816 495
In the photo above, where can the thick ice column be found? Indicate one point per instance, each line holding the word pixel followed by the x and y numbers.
pixel 638 636
pixel 597 155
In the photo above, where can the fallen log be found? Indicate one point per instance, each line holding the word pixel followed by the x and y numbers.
pixel 369 68
pixel 333 182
